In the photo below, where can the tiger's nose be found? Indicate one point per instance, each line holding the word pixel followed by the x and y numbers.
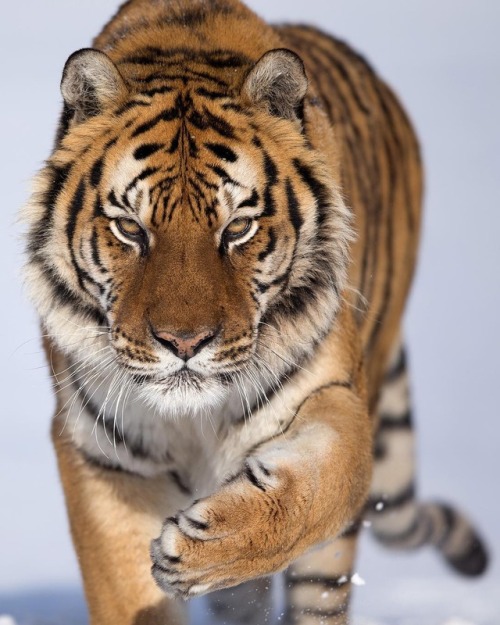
pixel 183 344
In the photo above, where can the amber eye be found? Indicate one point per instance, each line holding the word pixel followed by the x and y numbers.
pixel 130 229
pixel 127 230
pixel 237 228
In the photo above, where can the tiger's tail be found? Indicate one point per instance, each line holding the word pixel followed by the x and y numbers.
pixel 398 519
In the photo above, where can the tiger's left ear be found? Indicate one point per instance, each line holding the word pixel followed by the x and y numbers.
pixel 278 82
pixel 91 83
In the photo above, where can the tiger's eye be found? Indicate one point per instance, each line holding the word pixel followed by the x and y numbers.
pixel 130 228
pixel 238 228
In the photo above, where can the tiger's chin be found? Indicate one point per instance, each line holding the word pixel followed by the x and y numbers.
pixel 184 393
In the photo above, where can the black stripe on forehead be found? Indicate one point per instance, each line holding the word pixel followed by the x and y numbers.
pixel 168 115
pixel 206 120
pixel 147 149
pixel 173 57
pixel 252 201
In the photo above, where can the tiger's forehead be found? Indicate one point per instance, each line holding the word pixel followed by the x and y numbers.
pixel 208 180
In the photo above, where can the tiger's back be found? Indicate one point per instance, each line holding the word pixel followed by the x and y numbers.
pixel 382 181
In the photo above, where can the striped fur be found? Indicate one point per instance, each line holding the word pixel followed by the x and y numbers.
pixel 399 520
pixel 220 248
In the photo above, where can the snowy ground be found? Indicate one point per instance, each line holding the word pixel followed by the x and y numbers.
pixel 443 57
pixel 398 590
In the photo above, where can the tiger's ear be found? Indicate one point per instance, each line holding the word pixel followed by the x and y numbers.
pixel 278 82
pixel 91 83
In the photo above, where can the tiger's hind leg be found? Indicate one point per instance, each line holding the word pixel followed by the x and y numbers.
pixel 318 585
pixel 247 604
pixel 399 520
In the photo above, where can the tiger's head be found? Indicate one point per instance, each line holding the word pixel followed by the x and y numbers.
pixel 186 233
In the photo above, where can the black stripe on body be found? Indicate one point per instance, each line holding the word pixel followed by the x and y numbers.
pixel 263 287
pixel 94 246
pixel 108 424
pixel 329 582
pixel 250 475
pixel 296 218
pixel 104 463
pixel 96 172
pixel 181 485
pixel 41 233
pixel 197 525
pixel 270 247
pixel 66 297
pixel 401 422
pixel 351 530
pixel 366 182
pixel 288 376
pixel 317 189
pixel 75 208
pixel 271 172
pixel 387 220
pixel 296 611
pixel 449 520
pixel 383 503
pixel 385 95
pixel 420 527
pixel 398 368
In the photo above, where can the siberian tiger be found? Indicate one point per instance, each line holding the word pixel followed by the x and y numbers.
pixel 220 248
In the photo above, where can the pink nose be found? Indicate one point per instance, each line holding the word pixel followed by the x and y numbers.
pixel 184 345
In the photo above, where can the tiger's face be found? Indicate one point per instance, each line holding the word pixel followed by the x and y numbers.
pixel 188 239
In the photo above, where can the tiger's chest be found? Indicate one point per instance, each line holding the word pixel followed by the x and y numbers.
pixel 196 453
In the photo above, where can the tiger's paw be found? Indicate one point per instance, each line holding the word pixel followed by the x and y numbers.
pixel 247 529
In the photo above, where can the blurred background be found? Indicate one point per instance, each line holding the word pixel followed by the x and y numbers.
pixel 443 59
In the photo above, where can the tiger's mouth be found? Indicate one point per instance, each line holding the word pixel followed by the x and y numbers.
pixel 184 392
pixel 185 377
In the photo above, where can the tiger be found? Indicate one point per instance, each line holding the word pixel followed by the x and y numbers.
pixel 220 247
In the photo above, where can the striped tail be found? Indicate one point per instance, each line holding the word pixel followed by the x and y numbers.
pixel 398 519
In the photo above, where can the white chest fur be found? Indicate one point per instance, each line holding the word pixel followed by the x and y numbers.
pixel 198 451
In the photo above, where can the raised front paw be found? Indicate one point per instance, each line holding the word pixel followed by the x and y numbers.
pixel 251 527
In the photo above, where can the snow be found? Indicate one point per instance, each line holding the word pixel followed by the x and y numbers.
pixel 7 620
pixel 357 580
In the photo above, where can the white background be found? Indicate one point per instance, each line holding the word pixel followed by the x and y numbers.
pixel 443 58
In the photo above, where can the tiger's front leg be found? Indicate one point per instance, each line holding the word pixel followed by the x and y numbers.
pixel 113 516
pixel 301 488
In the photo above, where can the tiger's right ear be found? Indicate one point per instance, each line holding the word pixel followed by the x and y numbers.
pixel 91 83
pixel 278 83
